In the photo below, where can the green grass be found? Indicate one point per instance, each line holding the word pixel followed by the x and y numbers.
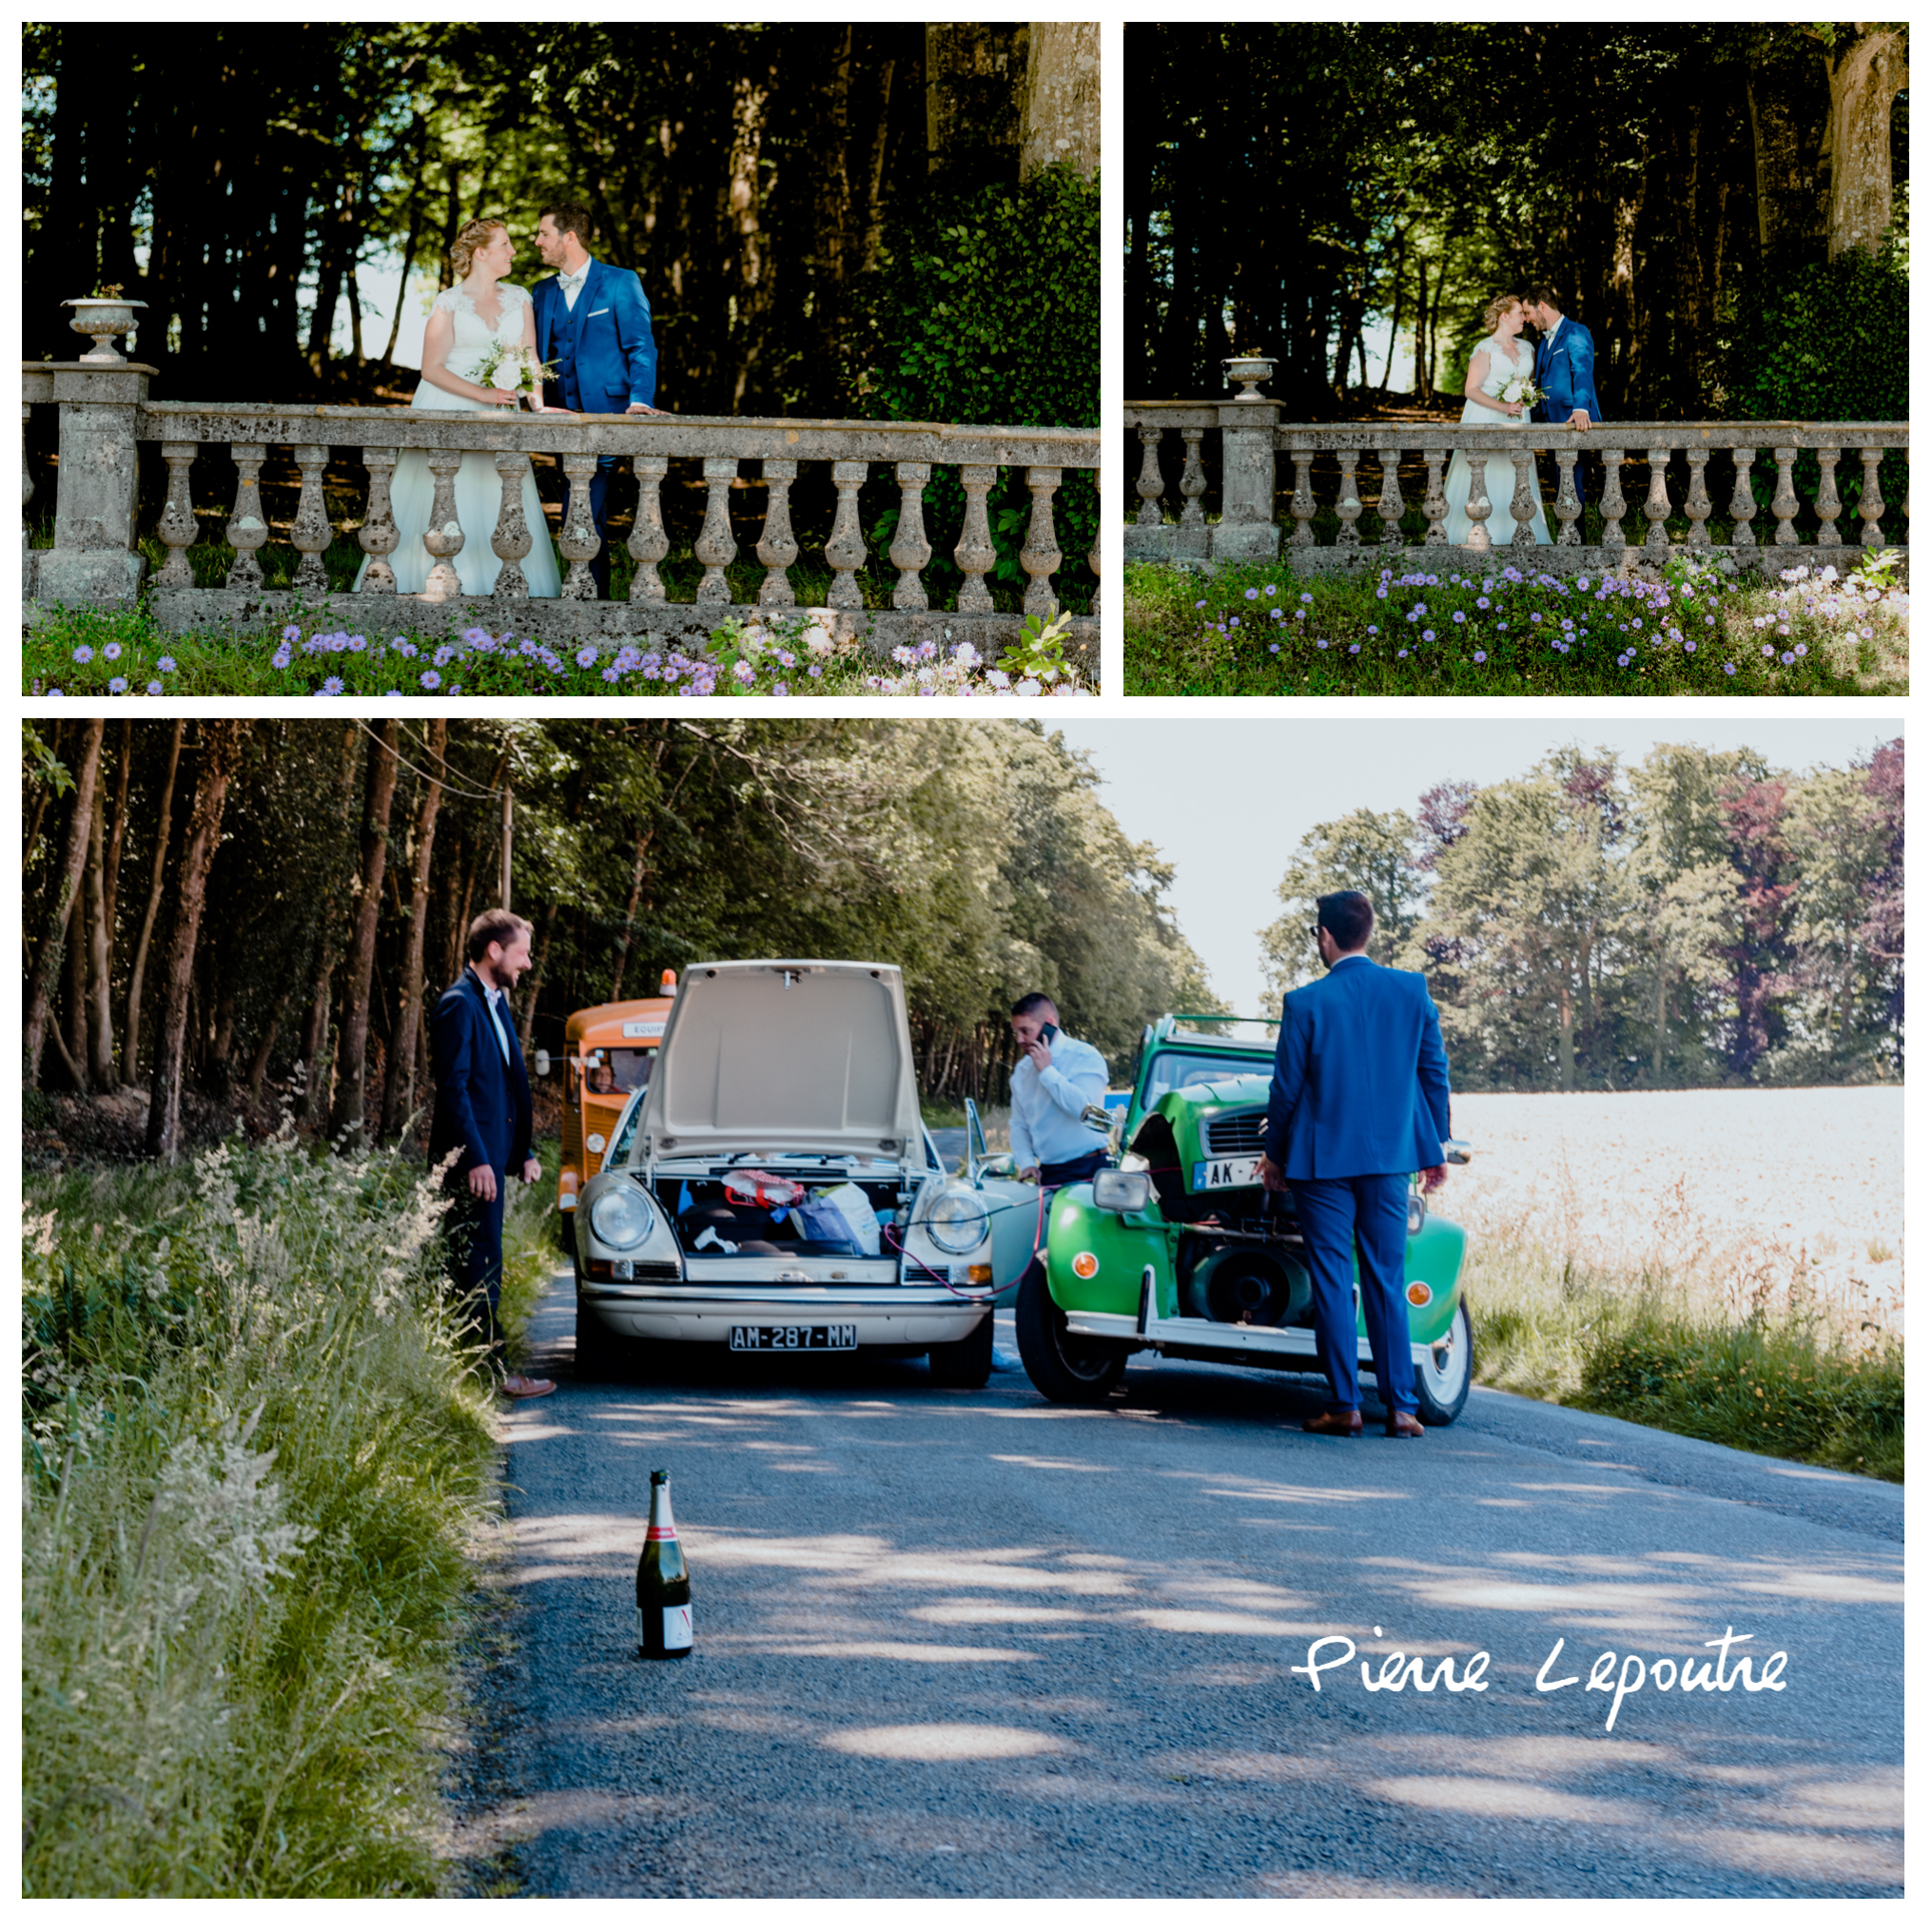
pixel 1259 629
pixel 256 1456
pixel 1669 1353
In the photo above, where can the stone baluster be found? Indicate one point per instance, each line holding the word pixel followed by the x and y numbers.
pixel 1478 505
pixel 25 497
pixel 578 540
pixel 1872 503
pixel 1434 504
pixel 1828 505
pixel 1040 554
pixel 445 537
pixel 1148 483
pixel 1743 506
pixel 378 535
pixel 911 552
pixel 1697 503
pixel 1301 504
pixel 1569 511
pixel 1348 506
pixel 511 539
pixel 1785 500
pixel 777 547
pixel 246 531
pixel 649 545
pixel 1657 508
pixel 844 549
pixel 311 534
pixel 974 552
pixel 1523 501
pixel 1615 540
pixel 1389 506
pixel 1190 538
pixel 177 528
pixel 716 546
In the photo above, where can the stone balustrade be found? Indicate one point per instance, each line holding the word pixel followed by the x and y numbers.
pixel 104 412
pixel 1504 474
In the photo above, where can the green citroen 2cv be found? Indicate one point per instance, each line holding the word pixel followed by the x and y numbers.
pixel 1179 1249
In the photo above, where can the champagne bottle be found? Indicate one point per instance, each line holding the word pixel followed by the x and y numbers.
pixel 663 1581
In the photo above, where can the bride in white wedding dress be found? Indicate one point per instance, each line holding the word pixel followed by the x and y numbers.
pixel 1498 356
pixel 480 312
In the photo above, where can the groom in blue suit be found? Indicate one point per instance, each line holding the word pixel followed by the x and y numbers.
pixel 1359 1103
pixel 593 322
pixel 1565 369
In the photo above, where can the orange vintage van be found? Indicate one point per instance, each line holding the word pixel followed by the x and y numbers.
pixel 608 1054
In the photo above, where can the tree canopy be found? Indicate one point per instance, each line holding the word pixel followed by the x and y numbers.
pixel 1697 919
pixel 339 866
pixel 1285 183
pixel 239 178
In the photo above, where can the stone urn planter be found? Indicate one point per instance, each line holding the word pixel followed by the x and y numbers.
pixel 1249 370
pixel 104 317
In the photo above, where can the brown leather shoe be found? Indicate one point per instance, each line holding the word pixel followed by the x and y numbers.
pixel 526 1386
pixel 1334 1422
pixel 1402 1423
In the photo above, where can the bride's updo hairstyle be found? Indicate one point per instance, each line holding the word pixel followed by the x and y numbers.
pixel 1492 315
pixel 470 236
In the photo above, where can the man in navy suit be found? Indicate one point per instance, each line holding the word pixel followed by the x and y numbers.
pixel 482 1113
pixel 593 322
pixel 1358 1103
pixel 1565 369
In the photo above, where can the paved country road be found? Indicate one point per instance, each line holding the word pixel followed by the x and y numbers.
pixel 974 1645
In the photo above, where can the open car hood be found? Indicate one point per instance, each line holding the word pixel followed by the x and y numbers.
pixel 790 1056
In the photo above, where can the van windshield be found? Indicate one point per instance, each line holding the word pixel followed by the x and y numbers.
pixel 620 1069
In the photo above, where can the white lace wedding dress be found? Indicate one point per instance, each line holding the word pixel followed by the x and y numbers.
pixel 1499 475
pixel 478 488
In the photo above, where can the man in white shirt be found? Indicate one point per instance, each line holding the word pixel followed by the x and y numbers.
pixel 1057 1078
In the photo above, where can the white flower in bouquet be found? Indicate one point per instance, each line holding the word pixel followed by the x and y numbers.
pixel 510 366
pixel 1521 389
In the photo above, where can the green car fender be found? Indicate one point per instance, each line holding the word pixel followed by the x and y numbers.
pixel 1096 1260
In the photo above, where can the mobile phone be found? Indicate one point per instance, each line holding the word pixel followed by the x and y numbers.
pixel 1046 1033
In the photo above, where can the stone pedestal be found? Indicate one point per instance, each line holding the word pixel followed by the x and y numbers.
pixel 1247 531
pixel 93 560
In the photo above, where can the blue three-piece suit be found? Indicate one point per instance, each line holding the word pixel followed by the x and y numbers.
pixel 606 359
pixel 1566 373
pixel 1359 1103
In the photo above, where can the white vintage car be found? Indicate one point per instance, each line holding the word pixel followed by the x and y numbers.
pixel 773 1188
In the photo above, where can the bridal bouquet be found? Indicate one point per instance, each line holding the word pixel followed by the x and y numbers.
pixel 510 366
pixel 1521 389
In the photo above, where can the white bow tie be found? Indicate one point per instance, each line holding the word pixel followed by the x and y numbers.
pixel 576 280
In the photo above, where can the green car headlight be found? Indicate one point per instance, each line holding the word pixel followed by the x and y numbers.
pixel 957 1221
pixel 621 1217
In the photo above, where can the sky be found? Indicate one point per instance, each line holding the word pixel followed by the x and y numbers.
pixel 1239 796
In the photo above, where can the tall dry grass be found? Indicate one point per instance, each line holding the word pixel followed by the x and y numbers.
pixel 255 1450
pixel 1711 1331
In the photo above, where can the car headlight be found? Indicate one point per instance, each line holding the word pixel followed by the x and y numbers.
pixel 1118 1192
pixel 957 1221
pixel 621 1217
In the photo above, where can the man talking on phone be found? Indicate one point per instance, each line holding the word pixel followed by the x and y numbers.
pixel 1056 1080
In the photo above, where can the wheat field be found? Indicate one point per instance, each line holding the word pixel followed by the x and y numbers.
pixel 1739 1194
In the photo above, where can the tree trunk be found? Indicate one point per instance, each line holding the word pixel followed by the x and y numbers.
pixel 222 744
pixel 264 1047
pixel 1865 79
pixel 347 1115
pixel 315 1032
pixel 1060 104
pixel 99 1031
pixel 72 1032
pixel 400 1096
pixel 536 977
pixel 1787 129
pixel 131 1047
pixel 47 957
pixel 637 872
